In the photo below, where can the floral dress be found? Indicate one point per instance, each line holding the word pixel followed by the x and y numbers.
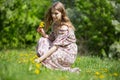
pixel 65 55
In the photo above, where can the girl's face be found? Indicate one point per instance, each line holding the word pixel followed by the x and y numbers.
pixel 56 15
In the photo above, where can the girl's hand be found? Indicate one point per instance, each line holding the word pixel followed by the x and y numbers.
pixel 46 36
pixel 38 60
pixel 41 30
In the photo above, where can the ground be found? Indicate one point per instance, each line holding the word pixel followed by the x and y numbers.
pixel 19 65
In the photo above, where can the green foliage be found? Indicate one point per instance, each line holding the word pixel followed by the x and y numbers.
pixel 117 12
pixel 94 25
pixel 97 24
pixel 115 50
pixel 19 20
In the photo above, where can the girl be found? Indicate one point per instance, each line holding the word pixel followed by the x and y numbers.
pixel 58 50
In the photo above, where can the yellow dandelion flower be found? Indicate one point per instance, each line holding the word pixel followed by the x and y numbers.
pixel 97 73
pixel 35 56
pixel 33 61
pixel 21 55
pixel 26 55
pixel 115 74
pixel 101 76
pixel 38 65
pixel 41 24
pixel 37 71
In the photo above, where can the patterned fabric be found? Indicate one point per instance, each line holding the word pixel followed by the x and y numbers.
pixel 65 55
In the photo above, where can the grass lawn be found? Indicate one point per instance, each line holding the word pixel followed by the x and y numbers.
pixel 20 65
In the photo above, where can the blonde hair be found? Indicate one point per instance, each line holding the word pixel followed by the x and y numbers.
pixel 64 21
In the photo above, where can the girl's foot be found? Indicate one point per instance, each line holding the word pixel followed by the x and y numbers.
pixel 76 70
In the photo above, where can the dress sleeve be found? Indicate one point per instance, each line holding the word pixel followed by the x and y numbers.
pixel 63 37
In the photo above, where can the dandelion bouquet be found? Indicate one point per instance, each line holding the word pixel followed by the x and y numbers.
pixel 40 28
pixel 42 24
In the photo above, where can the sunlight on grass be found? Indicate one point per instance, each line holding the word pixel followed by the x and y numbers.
pixel 19 64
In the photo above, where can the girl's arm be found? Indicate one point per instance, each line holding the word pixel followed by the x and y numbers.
pixel 52 49
pixel 41 30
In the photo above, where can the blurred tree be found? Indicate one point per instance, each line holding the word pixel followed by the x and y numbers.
pixel 96 28
pixel 97 24
pixel 19 19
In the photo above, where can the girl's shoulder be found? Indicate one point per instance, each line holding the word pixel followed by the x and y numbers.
pixel 64 27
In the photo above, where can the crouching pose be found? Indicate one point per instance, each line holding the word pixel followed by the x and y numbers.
pixel 58 50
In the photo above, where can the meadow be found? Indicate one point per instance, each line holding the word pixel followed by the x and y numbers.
pixel 19 65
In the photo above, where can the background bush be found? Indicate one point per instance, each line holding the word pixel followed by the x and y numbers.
pixel 97 24
pixel 19 20
pixel 98 27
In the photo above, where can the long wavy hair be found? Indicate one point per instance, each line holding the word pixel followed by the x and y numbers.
pixel 64 21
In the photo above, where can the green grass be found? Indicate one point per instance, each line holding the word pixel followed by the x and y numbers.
pixel 19 65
